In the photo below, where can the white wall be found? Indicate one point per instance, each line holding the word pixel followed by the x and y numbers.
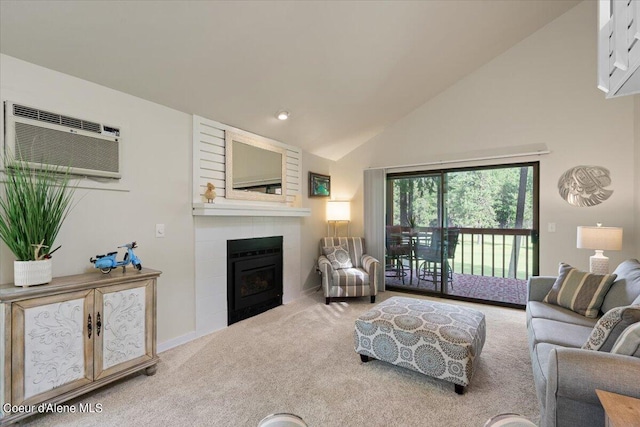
pixel 542 91
pixel 156 143
pixel 315 226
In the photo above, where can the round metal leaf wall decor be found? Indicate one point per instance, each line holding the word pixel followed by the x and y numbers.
pixel 584 185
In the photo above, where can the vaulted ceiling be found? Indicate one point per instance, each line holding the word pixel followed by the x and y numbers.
pixel 345 70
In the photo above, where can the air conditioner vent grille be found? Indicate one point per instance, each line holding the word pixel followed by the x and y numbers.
pixel 71 122
pixel 39 144
pixel 91 127
pixel 30 113
pixel 45 116
pixel 49 117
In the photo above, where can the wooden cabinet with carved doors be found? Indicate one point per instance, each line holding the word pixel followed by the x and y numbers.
pixel 74 335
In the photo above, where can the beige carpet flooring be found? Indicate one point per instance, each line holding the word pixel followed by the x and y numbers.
pixel 299 358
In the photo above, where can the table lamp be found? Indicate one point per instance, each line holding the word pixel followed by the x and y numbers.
pixel 600 239
pixel 338 211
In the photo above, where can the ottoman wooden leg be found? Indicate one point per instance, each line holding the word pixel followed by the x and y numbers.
pixel 373 299
pixel 459 389
pixel 364 358
pixel 327 300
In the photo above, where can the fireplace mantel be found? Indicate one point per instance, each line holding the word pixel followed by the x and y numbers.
pixel 242 209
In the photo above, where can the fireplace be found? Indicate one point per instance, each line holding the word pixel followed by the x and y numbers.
pixel 254 276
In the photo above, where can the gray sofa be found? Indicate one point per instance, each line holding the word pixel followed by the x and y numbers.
pixel 567 376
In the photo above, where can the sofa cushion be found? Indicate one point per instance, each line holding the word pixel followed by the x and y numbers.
pixel 350 277
pixel 611 326
pixel 628 343
pixel 537 309
pixel 625 290
pixel 579 291
pixel 559 333
pixel 338 256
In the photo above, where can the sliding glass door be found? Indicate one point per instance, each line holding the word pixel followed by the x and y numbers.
pixel 414 213
pixel 468 233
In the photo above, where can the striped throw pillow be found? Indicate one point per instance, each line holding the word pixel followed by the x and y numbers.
pixel 629 342
pixel 579 291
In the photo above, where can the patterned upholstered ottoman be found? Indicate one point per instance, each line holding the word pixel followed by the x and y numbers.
pixel 439 340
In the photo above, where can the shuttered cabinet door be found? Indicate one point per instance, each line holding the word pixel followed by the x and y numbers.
pixel 124 326
pixel 53 339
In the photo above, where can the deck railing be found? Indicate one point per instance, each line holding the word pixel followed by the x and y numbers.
pixel 482 251
pixel 495 252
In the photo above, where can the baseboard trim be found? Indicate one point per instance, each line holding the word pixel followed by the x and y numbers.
pixel 175 342
pixel 310 291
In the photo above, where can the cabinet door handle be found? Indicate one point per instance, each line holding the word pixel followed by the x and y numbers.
pixel 89 325
pixel 98 324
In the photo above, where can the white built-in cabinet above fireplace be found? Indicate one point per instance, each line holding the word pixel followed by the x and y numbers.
pixel 249 195
pixel 619 47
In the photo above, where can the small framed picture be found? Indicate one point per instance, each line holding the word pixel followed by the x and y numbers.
pixel 319 185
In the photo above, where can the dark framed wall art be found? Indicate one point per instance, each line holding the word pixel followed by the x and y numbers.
pixel 319 185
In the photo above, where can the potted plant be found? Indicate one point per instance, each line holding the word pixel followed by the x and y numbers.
pixel 33 206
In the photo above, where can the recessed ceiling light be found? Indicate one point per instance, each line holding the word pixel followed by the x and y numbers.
pixel 282 115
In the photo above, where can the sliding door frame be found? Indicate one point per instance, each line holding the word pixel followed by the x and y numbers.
pixel 442 172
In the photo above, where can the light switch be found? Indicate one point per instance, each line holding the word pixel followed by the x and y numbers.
pixel 551 227
pixel 160 230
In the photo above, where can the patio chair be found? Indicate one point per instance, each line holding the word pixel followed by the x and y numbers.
pixel 431 256
pixel 398 250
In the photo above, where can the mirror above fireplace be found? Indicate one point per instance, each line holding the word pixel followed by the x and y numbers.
pixel 255 169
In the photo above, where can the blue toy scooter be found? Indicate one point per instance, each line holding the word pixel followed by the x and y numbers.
pixel 108 262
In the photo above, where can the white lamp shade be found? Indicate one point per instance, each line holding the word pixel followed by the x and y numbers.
pixel 601 238
pixel 338 211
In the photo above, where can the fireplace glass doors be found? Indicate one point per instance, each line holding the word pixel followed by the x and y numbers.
pixel 254 276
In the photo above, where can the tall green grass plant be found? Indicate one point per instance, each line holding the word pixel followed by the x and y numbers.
pixel 33 207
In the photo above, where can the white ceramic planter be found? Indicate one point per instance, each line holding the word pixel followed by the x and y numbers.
pixel 28 273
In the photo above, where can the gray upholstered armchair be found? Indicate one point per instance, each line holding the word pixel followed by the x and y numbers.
pixel 347 271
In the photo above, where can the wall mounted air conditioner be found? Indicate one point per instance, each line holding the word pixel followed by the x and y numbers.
pixel 43 138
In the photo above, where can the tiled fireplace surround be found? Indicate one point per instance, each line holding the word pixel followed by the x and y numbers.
pixel 211 235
